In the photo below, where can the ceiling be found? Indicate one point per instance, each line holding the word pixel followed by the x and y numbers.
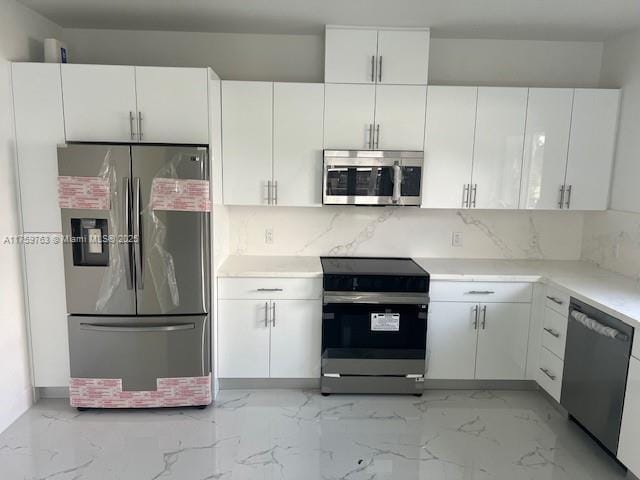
pixel 503 19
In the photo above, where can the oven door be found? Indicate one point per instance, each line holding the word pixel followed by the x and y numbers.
pixel 374 339
pixel 372 181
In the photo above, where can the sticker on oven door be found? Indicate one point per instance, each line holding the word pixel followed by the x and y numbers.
pixel 385 322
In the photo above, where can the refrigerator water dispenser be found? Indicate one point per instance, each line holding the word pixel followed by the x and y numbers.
pixel 89 247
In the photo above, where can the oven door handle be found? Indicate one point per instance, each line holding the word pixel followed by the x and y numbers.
pixel 376 298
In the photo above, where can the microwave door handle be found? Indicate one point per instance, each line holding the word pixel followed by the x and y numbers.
pixel 126 202
pixel 397 182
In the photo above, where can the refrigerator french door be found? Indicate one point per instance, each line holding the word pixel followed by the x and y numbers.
pixel 137 277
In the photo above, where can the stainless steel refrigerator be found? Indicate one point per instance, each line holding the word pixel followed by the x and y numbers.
pixel 137 274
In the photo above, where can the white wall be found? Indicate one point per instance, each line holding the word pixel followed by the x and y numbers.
pixel 301 57
pixel 21 34
pixel 405 231
pixel 612 239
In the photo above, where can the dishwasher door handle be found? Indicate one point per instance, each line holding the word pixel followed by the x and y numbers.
pixel 598 327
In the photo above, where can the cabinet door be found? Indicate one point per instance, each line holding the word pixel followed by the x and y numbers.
pixel 448 146
pixel 399 117
pixel 497 159
pixel 39 124
pixel 243 339
pixel 403 57
pixel 546 143
pixel 629 447
pixel 296 337
pixel 451 340
pixel 591 148
pixel 298 113
pixel 246 142
pixel 47 314
pixel 99 103
pixel 350 55
pixel 348 116
pixel 172 104
pixel 502 341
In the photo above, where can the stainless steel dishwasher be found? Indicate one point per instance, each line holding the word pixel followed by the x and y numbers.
pixel 596 365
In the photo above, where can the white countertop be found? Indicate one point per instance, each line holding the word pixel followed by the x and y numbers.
pixel 270 266
pixel 610 292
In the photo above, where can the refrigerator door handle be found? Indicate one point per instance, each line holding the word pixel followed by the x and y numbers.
pixel 126 187
pixel 137 328
pixel 137 232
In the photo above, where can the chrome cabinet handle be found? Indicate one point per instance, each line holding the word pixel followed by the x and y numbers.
pixel 380 69
pixel 140 126
pixel 373 68
pixel 369 142
pixel 548 373
pixel 268 192
pixel 568 202
pixel 126 206
pixel 552 332
pixel 266 314
pixel 138 232
pixel 555 300
pixel 275 192
pixel 269 289
pixel 273 314
pixel 480 292
pixel 561 202
pixel 131 127
pixel 465 195
pixel 474 191
pixel 484 317
pixel 377 144
pixel 475 317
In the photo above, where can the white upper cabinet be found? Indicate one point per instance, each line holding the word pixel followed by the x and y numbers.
pixel 247 142
pixel 99 103
pixel 368 55
pixel 172 105
pixel 298 112
pixel 448 146
pixel 399 117
pixel 349 116
pixel 546 145
pixel 403 56
pixel 39 127
pixel 350 55
pixel 107 103
pixel 497 160
pixel 591 149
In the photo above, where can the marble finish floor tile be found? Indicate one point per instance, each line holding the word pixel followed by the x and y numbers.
pixel 292 434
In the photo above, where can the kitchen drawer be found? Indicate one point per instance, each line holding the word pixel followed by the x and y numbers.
pixel 549 373
pixel 554 332
pixel 270 288
pixel 636 344
pixel 483 292
pixel 557 300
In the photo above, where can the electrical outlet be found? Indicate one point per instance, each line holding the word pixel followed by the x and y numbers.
pixel 268 235
pixel 456 239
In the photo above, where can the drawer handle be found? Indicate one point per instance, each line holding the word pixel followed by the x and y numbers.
pixel 270 290
pixel 548 373
pixel 552 332
pixel 555 300
pixel 480 292
pixel 137 328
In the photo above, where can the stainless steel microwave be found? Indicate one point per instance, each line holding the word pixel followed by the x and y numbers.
pixel 372 177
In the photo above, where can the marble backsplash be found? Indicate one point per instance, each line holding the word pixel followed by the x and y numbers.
pixel 611 240
pixel 405 231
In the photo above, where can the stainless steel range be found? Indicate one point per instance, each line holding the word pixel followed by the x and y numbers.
pixel 374 325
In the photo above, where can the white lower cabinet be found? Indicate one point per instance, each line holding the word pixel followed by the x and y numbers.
pixel 478 340
pixel 268 337
pixel 629 446
pixel 451 341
